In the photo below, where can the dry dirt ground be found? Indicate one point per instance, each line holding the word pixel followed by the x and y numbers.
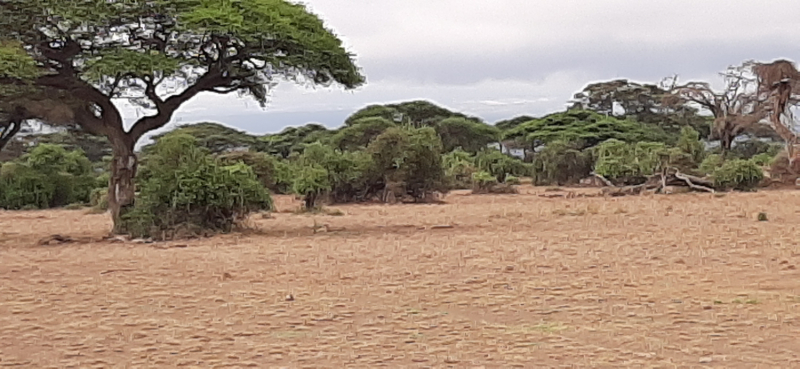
pixel 673 281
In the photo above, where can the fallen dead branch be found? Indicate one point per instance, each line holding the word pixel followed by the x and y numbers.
pixel 658 183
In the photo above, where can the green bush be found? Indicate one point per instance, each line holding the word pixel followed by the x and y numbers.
pixel 99 199
pixel 459 167
pixel 483 181
pixel 188 190
pixel 350 173
pixel 763 159
pixel 264 166
pixel 512 180
pixel 631 163
pixel 500 165
pixel 311 182
pixel 409 159
pixel 711 163
pixel 560 163
pixel 742 175
pixel 49 176
pixel 24 188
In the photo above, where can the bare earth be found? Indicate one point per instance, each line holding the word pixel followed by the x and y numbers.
pixel 518 281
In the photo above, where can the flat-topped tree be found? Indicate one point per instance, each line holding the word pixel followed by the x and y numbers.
pixel 160 54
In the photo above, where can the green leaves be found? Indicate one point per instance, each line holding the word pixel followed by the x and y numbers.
pixel 16 63
pixel 117 62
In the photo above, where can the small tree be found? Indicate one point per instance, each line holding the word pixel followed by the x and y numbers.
pixel 561 163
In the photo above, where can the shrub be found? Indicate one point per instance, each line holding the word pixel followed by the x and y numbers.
pixel 49 176
pixel 459 167
pixel 711 163
pixel 742 175
pixel 409 159
pixel 483 181
pixel 350 174
pixel 99 199
pixel 264 166
pixel 500 165
pixel 187 190
pixel 762 159
pixel 24 188
pixel 560 163
pixel 311 181
pixel 512 180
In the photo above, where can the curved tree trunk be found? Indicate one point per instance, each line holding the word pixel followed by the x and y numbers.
pixel 121 188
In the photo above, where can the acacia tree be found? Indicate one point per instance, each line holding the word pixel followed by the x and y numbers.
pixel 736 109
pixel 159 54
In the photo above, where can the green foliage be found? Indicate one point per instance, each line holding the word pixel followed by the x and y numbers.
pixel 483 181
pixel 629 162
pixel 468 134
pixel 711 163
pixel 349 174
pixel 763 159
pixel 311 181
pixel 49 176
pixel 751 148
pixel 359 133
pixel 738 174
pixel 585 127
pixel 459 167
pixel 294 139
pixel 15 62
pixel 512 180
pixel 188 190
pixel 689 143
pixel 560 163
pixel 410 158
pixel 266 167
pixel 418 113
pixel 98 199
pixel 500 165
pixel 216 137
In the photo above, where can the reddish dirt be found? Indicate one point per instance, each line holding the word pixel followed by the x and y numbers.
pixel 518 281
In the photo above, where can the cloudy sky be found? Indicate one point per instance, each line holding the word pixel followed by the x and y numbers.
pixel 501 58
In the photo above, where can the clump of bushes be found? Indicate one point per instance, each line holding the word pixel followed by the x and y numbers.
pixel 485 182
pixel 184 190
pixel 408 161
pixel 742 175
pixel 561 163
pixel 49 176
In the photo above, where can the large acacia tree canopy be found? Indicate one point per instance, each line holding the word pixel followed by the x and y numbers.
pixel 160 53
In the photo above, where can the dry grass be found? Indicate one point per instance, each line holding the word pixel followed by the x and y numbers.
pixel 517 281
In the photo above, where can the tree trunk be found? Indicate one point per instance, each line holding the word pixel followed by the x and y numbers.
pixel 121 189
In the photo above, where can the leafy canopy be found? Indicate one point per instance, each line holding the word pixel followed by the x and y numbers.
pixel 161 53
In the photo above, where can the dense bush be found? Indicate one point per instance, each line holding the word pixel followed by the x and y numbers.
pixel 560 163
pixel 711 163
pixel 500 165
pixel 738 174
pixel 267 168
pixel 358 135
pixel 409 160
pixel 459 167
pixel 187 191
pixel 49 176
pixel 350 175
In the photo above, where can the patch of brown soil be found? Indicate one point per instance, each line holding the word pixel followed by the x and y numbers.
pixel 483 281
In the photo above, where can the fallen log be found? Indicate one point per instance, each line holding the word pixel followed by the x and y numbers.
pixel 658 183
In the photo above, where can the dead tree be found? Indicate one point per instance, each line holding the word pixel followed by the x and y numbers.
pixel 736 108
pixel 779 85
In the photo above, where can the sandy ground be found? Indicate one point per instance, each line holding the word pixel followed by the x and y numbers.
pixel 518 281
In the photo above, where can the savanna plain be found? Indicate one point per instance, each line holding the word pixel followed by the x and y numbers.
pixel 481 281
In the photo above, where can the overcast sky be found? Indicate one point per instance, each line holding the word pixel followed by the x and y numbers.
pixel 502 58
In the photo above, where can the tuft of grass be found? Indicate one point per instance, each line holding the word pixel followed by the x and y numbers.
pixel 762 217
pixel 553 189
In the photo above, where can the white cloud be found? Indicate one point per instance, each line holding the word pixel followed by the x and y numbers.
pixel 510 57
